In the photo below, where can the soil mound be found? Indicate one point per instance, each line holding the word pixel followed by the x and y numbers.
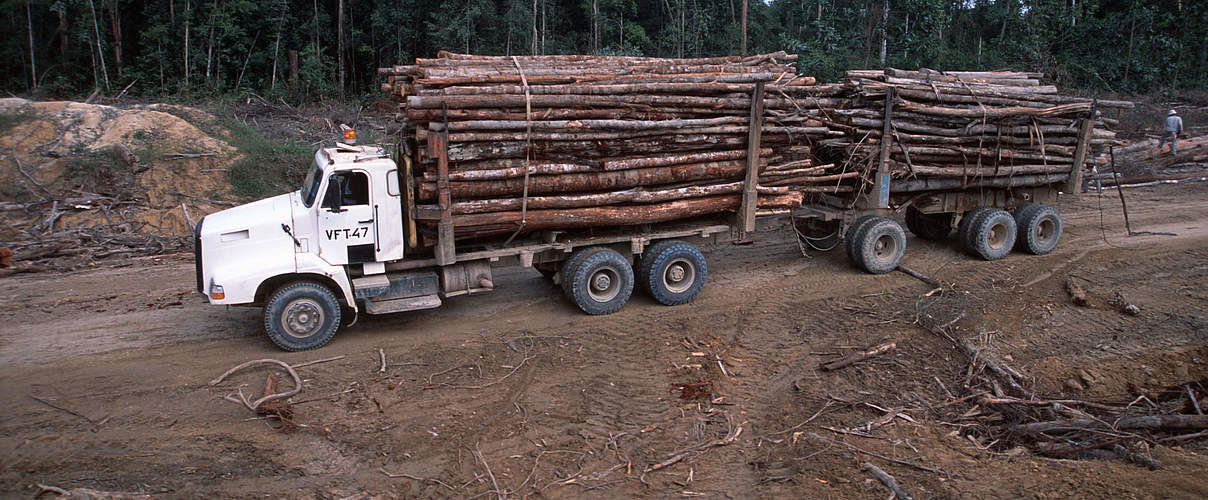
pixel 92 181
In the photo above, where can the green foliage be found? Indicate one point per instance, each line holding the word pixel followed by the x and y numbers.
pixel 264 167
pixel 240 46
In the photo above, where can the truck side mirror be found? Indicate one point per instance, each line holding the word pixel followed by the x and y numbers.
pixel 334 199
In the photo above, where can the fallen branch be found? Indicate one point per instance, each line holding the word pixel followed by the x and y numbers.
pixel 857 357
pixel 69 410
pixel 887 480
pixel 731 434
pixel 255 405
pixel 89 494
pixel 1152 422
pixel 920 276
pixel 478 455
pixel 414 478
pixel 382 354
pixel 317 361
pixel 857 449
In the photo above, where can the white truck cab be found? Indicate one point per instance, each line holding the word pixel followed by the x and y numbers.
pixel 293 253
pixel 334 248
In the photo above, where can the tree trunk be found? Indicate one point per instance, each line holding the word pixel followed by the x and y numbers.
pixel 743 50
pixel 277 47
pixel 340 43
pixel 293 68
pixel 188 20
pixel 33 66
pixel 116 25
pixel 100 53
pixel 885 31
pixel 62 32
pixel 210 42
pixel 533 50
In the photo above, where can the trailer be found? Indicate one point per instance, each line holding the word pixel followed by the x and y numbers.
pixel 357 238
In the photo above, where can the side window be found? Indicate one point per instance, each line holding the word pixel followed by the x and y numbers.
pixel 352 188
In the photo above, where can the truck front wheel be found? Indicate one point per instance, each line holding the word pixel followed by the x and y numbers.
pixel 302 316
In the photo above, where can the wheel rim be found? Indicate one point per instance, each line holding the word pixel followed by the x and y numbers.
pixel 997 239
pixel 303 317
pixel 1046 229
pixel 604 284
pixel 885 248
pixel 679 276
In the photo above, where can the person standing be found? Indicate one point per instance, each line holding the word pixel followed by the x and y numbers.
pixel 1174 127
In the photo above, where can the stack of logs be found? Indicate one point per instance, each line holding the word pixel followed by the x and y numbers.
pixel 559 142
pixel 958 129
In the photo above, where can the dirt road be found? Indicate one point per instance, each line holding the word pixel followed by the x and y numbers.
pixel 519 394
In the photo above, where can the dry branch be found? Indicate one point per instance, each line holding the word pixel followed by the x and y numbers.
pixel 857 357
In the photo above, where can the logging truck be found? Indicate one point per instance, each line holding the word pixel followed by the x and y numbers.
pixel 338 246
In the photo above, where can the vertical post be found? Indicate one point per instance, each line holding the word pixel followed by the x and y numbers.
pixel 438 147
pixel 750 195
pixel 1073 186
pixel 882 179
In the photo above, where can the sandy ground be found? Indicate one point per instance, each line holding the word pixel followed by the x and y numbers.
pixel 519 394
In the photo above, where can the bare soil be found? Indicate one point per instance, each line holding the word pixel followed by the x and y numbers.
pixel 517 393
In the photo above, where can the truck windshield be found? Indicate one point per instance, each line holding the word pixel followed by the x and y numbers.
pixel 310 186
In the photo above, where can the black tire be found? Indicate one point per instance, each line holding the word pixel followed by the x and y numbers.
pixel 993 235
pixel 570 264
pixel 1040 229
pixel 964 230
pixel 601 282
pixel 673 272
pixel 302 316
pixel 853 231
pixel 641 268
pixel 880 246
pixel 928 226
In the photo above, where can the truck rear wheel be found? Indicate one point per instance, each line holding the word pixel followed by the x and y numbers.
pixel 993 235
pixel 964 230
pixel 853 232
pixel 302 316
pixel 1040 228
pixel 601 282
pixel 928 226
pixel 568 266
pixel 673 272
pixel 880 245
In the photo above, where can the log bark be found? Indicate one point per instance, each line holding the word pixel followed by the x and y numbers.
pixel 1150 423
pixel 596 181
pixel 635 195
pixel 622 215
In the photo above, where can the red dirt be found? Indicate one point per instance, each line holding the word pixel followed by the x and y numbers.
pixel 560 404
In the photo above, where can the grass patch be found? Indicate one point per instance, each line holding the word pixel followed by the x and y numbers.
pixel 9 121
pixel 265 167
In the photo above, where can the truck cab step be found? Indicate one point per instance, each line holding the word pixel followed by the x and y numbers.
pixel 400 305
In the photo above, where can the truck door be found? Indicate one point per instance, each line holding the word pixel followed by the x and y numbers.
pixel 346 219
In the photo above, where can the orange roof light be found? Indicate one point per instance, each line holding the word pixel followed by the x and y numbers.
pixel 350 134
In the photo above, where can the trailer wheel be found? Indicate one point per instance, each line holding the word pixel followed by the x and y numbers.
pixel 569 265
pixel 880 246
pixel 993 234
pixel 853 232
pixel 1040 228
pixel 673 272
pixel 302 316
pixel 928 226
pixel 601 282
pixel 964 230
